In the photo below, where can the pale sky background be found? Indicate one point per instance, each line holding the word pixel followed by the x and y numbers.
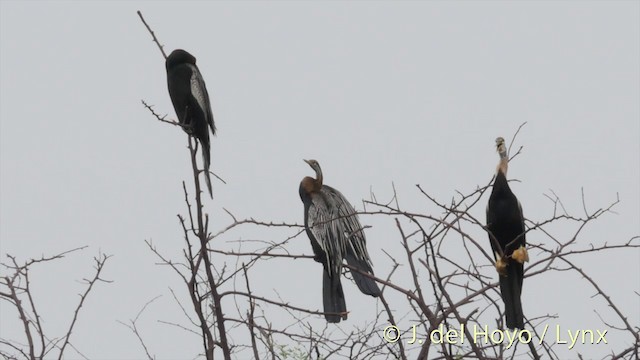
pixel 377 92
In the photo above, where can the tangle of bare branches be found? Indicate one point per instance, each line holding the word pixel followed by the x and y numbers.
pixel 16 290
pixel 452 287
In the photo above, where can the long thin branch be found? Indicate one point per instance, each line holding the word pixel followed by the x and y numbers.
pixel 153 35
pixel 99 266
pixel 204 255
pixel 23 317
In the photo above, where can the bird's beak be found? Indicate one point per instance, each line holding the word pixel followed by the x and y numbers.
pixel 307 161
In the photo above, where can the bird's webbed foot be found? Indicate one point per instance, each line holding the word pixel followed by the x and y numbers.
pixel 520 255
pixel 501 265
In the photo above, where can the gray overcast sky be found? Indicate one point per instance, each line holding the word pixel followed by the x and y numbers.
pixel 377 92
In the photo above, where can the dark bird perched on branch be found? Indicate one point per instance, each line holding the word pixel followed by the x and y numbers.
pixel 505 223
pixel 191 101
pixel 336 234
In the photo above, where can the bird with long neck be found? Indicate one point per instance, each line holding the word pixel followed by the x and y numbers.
pixel 327 244
pixel 501 170
pixel 520 254
pixel 335 234
pixel 505 224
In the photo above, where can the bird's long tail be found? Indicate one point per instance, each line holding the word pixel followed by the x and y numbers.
pixel 366 285
pixel 333 298
pixel 511 288
pixel 206 158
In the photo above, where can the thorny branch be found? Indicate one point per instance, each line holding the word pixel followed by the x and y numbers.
pixel 133 326
pixel 15 288
pixel 199 260
pixel 153 35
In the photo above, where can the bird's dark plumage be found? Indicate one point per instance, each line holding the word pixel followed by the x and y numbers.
pixel 506 223
pixel 191 102
pixel 335 234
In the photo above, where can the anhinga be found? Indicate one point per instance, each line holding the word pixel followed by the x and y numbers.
pixel 191 101
pixel 335 234
pixel 505 223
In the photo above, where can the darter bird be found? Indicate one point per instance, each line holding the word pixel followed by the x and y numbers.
pixel 191 102
pixel 505 223
pixel 335 233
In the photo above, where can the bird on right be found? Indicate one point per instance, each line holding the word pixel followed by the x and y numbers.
pixel 505 224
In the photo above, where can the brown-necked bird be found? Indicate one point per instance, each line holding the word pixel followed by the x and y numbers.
pixel 191 102
pixel 335 234
pixel 505 223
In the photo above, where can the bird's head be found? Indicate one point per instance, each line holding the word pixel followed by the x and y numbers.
pixel 178 57
pixel 314 164
pixel 316 167
pixel 504 159
pixel 500 144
